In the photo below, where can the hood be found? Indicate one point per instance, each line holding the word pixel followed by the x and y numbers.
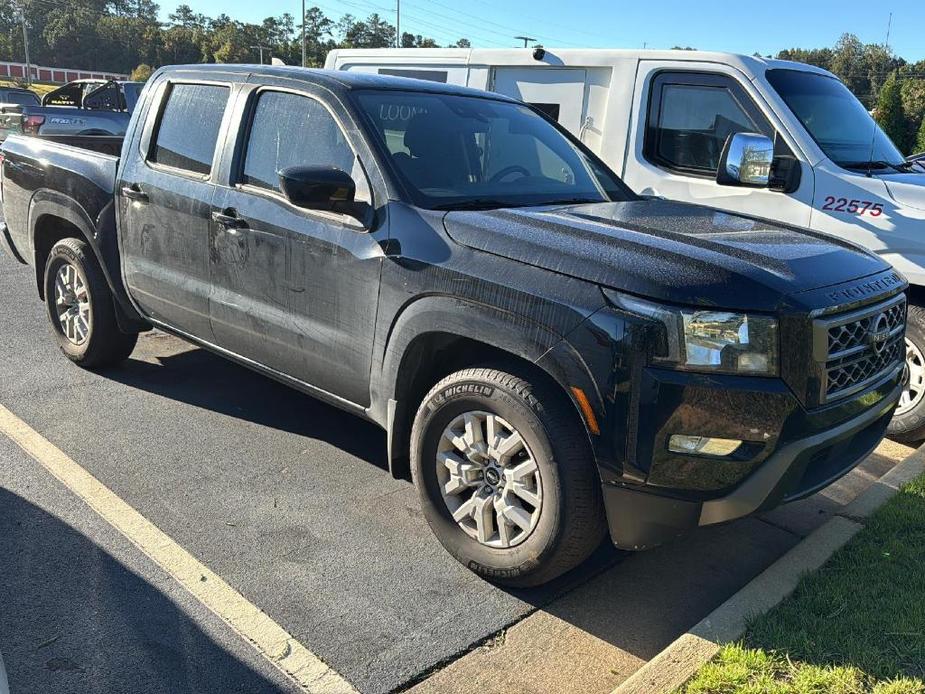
pixel 907 189
pixel 668 251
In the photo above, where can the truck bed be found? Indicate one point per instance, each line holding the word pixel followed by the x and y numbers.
pixel 72 182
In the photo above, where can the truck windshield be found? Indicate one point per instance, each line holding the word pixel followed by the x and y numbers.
pixel 462 152
pixel 836 120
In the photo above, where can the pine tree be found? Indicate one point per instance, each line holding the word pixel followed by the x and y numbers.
pixel 890 113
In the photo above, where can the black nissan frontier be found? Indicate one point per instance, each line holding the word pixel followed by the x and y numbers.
pixel 551 355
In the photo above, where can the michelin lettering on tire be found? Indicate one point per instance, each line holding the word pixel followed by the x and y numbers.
pixel 458 390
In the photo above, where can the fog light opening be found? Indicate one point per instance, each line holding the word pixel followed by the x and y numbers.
pixel 703 445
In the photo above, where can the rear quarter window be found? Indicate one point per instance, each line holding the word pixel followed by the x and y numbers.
pixel 187 133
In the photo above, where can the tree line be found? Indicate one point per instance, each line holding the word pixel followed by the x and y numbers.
pixel 120 35
pixel 128 36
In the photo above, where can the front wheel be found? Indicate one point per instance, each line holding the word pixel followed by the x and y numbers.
pixel 505 475
pixel 908 423
pixel 80 307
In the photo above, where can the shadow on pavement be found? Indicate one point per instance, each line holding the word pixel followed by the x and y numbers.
pixel 676 582
pixel 73 619
pixel 636 606
pixel 206 380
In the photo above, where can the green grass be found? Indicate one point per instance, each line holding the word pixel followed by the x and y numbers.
pixel 856 625
pixel 740 670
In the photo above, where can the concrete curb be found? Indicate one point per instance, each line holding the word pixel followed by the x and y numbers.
pixel 675 665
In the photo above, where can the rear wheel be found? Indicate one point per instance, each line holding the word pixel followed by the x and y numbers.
pixel 506 478
pixel 80 308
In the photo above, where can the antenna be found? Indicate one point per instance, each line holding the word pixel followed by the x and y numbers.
pixel 873 130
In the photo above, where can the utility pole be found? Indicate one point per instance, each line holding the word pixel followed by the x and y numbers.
pixel 262 49
pixel 525 39
pixel 25 43
pixel 303 33
pixel 397 23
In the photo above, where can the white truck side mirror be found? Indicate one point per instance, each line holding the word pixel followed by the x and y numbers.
pixel 746 160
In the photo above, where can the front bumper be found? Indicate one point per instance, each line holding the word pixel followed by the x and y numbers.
pixel 795 451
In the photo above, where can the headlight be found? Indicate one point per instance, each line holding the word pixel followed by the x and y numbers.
pixel 707 340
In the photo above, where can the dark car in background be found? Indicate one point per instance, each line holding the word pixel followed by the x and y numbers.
pixel 19 96
pixel 12 101
pixel 83 108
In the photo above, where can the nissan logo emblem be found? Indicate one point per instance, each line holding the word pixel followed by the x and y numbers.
pixel 878 333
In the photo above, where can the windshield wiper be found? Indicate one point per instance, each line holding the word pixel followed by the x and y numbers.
pixel 876 164
pixel 564 201
pixel 494 203
pixel 473 204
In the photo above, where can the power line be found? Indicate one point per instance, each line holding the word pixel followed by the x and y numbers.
pixel 507 29
pixel 506 34
pixel 366 6
pixel 572 30
pixel 443 29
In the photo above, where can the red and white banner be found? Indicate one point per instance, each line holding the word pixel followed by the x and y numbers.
pixel 54 74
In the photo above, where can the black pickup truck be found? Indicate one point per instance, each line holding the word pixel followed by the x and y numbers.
pixel 551 355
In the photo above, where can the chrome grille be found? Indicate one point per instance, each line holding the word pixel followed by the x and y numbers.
pixel 862 346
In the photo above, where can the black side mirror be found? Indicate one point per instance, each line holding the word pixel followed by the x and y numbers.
pixel 318 188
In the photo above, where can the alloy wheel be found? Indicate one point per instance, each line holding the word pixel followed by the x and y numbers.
pixel 72 302
pixel 489 479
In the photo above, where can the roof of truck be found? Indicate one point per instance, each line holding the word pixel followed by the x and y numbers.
pixel 334 80
pixel 578 57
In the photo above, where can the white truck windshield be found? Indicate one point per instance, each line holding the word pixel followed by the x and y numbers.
pixel 836 120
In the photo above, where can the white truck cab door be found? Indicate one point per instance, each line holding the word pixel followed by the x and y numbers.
pixel 558 92
pixel 685 113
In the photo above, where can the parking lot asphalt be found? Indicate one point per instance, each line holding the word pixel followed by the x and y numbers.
pixel 288 500
pixel 81 610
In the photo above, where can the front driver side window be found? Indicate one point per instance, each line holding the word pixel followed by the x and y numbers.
pixel 293 130
pixel 691 117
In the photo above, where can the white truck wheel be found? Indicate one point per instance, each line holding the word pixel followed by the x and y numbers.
pixel 908 425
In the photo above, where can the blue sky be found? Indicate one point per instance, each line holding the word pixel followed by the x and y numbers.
pixel 742 27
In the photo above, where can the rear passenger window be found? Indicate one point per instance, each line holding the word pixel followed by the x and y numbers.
pixel 692 116
pixel 189 125
pixel 292 130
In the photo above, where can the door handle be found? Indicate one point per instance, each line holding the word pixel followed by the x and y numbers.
pixel 228 219
pixel 134 192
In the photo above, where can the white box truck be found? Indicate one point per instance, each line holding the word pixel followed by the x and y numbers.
pixel 684 125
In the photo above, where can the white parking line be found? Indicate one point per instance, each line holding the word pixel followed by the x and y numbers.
pixel 270 639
